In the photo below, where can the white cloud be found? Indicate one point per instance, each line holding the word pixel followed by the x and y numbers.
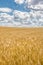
pixel 19 1
pixel 32 18
pixel 6 19
pixel 22 19
pixel 34 4
pixel 5 10
pixel 19 14
pixel 22 1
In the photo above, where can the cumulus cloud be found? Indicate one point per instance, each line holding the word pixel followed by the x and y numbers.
pixel 34 4
pixel 19 1
pixel 22 19
pixel 8 20
pixel 5 19
pixel 5 10
pixel 22 1
pixel 32 18
pixel 18 18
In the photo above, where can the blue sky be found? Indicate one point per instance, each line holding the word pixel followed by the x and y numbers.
pixel 6 3
pixel 13 5
pixel 22 13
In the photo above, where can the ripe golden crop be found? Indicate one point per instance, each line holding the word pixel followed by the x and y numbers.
pixel 21 46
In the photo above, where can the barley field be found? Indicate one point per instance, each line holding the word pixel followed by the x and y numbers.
pixel 21 46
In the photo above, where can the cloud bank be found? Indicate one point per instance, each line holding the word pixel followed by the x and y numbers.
pixel 22 19
pixel 34 18
pixel 35 4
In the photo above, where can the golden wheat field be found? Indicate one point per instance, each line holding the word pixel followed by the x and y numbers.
pixel 21 46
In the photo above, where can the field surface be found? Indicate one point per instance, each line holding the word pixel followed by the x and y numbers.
pixel 21 46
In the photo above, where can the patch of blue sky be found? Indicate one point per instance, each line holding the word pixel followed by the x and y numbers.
pixel 11 4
